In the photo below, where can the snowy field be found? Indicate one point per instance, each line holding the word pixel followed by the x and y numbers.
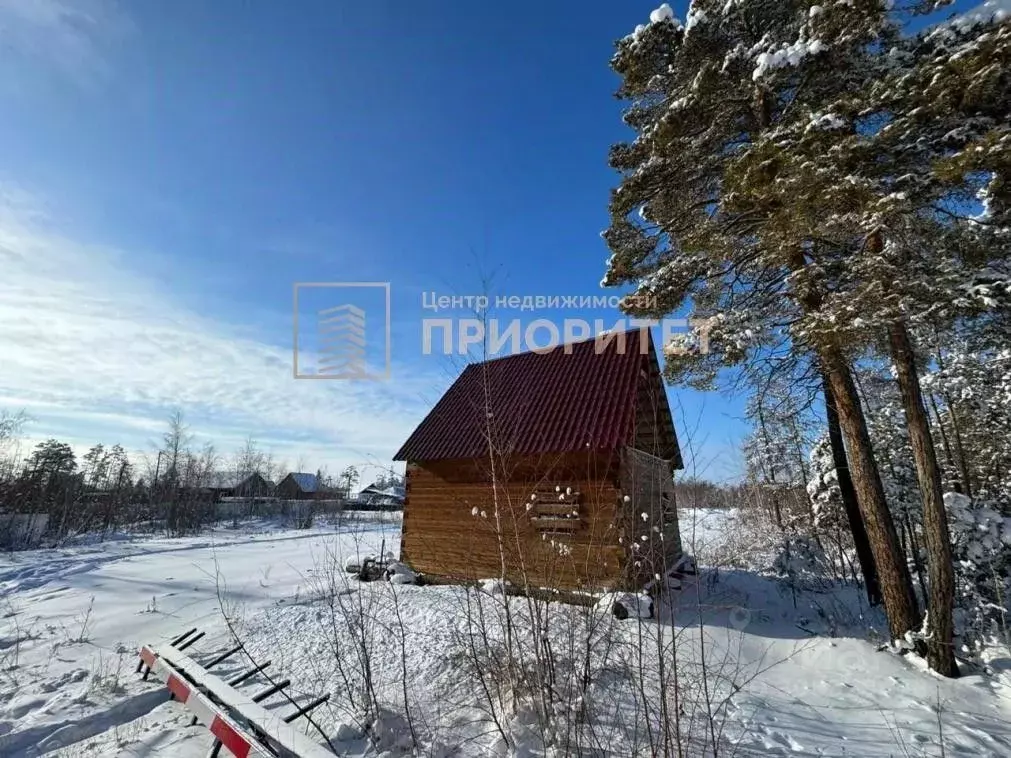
pixel 808 678
pixel 82 612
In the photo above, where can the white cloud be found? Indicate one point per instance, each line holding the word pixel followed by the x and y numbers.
pixel 984 13
pixel 70 36
pixel 87 343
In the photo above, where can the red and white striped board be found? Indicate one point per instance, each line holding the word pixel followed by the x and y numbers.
pixel 168 663
pixel 228 733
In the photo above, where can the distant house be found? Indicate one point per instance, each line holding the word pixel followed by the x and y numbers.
pixel 254 486
pixel 301 486
pixel 557 464
pixel 381 496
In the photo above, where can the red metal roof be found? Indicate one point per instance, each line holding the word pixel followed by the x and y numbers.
pixel 578 396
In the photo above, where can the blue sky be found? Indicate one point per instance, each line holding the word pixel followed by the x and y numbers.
pixel 169 170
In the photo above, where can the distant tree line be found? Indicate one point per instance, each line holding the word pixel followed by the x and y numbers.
pixel 176 489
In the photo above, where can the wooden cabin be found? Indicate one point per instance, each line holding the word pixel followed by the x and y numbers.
pixel 301 486
pixel 556 466
pixel 254 486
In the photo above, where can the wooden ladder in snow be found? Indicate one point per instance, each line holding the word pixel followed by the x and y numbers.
pixel 238 721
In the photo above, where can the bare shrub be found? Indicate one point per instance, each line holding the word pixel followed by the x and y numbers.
pixel 14 633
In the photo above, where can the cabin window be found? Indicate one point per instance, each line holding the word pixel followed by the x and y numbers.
pixel 555 509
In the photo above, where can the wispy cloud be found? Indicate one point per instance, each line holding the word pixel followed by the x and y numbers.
pixel 71 37
pixel 88 341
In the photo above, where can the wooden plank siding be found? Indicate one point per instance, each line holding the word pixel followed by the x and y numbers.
pixel 654 427
pixel 651 514
pixel 443 537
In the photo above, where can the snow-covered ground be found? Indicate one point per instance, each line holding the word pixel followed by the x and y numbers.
pixel 81 613
pixel 812 682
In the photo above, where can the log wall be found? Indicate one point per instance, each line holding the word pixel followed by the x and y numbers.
pixel 558 523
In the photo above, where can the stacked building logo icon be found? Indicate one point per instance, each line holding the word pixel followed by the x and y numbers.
pixel 346 335
pixel 342 342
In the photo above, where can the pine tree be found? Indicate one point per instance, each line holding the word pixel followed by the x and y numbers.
pixel 974 381
pixel 837 175
pixel 50 460
pixel 706 215
pixel 929 131
pixel 96 465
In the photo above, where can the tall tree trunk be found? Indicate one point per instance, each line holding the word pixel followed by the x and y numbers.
pixel 914 552
pixel 893 573
pixel 769 473
pixel 940 625
pixel 963 465
pixel 957 479
pixel 849 497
